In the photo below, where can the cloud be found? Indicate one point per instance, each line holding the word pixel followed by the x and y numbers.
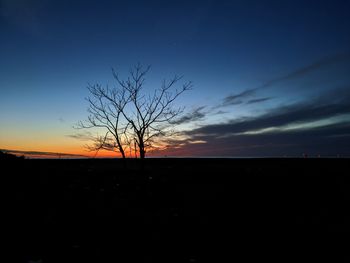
pixel 321 126
pixel 220 112
pixel 327 141
pixel 196 141
pixel 87 136
pixel 237 99
pixel 242 97
pixel 327 61
pixel 276 117
pixel 195 115
pixel 339 118
pixel 253 101
pixel 39 154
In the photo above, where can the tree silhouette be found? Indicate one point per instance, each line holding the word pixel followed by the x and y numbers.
pixel 104 114
pixel 131 118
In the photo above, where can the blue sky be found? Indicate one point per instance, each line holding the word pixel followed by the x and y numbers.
pixel 247 60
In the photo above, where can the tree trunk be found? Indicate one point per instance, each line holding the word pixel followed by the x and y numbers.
pixel 142 150
pixel 123 153
pixel 120 147
pixel 141 145
pixel 142 153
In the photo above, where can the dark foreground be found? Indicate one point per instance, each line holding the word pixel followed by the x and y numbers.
pixel 177 210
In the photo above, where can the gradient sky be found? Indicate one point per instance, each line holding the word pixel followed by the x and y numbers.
pixel 271 78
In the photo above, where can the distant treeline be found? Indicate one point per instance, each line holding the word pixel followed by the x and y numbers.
pixel 9 156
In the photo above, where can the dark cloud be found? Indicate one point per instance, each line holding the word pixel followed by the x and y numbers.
pixel 220 112
pixel 232 139
pixel 253 101
pixel 292 143
pixel 277 117
pixel 81 136
pixel 237 99
pixel 195 115
pixel 343 57
pixel 240 98
pixel 36 154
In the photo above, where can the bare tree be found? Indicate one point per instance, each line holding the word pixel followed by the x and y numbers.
pixel 133 119
pixel 106 115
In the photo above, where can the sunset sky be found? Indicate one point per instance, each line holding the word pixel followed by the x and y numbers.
pixel 271 78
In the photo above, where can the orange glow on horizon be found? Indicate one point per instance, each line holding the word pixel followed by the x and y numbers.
pixel 83 153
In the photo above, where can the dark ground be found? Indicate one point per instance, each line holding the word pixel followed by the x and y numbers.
pixel 177 210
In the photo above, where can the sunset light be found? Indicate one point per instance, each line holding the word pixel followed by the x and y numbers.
pixel 175 131
pixel 247 80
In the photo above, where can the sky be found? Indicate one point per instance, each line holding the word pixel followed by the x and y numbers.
pixel 270 78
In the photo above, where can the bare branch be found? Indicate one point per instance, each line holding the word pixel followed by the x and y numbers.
pixel 130 118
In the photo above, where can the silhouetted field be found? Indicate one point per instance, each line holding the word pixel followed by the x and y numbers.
pixel 177 210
